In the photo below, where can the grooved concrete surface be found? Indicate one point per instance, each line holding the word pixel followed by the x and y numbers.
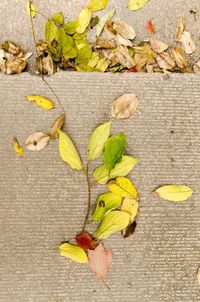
pixel 43 201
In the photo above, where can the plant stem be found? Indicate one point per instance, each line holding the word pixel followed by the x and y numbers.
pixel 89 196
pixel 37 53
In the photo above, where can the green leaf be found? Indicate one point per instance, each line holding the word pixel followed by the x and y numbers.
pixel 77 36
pixel 136 4
pixel 51 31
pixel 112 222
pixel 96 5
pixel 97 140
pixel 108 16
pixel 174 192
pixel 70 52
pixel 84 68
pixel 58 19
pixel 102 65
pixel 84 54
pixel 101 174
pixel 124 166
pixel 68 151
pixel 83 20
pixel 74 252
pixel 70 27
pixel 93 60
pixel 64 40
pixel 106 202
pixel 114 149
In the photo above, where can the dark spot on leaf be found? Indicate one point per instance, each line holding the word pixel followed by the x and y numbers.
pixel 35 143
pixel 101 203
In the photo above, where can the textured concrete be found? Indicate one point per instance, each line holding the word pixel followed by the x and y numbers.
pixel 15 23
pixel 43 201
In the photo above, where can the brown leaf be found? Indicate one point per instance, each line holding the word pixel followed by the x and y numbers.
pixel 104 43
pixel 165 61
pixel 124 29
pixel 100 260
pixel 122 41
pixel 187 42
pixel 158 46
pixel 180 28
pixel 130 230
pixel 124 106
pixel 12 48
pixel 37 141
pixel 180 57
pixel 45 65
pixel 124 57
pixel 57 126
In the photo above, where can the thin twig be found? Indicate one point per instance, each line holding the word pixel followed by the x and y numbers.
pixel 89 196
pixel 37 53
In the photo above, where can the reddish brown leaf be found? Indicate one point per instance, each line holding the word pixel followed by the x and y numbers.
pixel 85 241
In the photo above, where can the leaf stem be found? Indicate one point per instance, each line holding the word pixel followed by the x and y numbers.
pixel 37 53
pixel 89 195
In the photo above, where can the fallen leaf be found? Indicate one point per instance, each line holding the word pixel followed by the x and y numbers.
pixel 96 5
pixel 100 260
pixel 41 101
pixel 124 167
pixel 31 9
pixel 157 46
pixel 68 151
pixel 179 57
pixel 114 149
pixel 124 57
pixel 124 106
pixel 150 27
pixel 37 141
pixel 165 61
pixel 174 192
pixel 136 4
pixel 85 241
pixel 74 252
pixel 187 42
pixel 180 29
pixel 57 126
pixel 122 186
pixel 83 20
pixel 124 29
pixel 105 203
pixel 112 222
pixel 97 140
pixel 130 206
pixel 122 41
pixel 129 230
pixel 16 146
pixel 108 16
pixel 45 65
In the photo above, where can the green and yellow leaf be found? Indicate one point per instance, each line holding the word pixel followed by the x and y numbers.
pixel 101 174
pixel 83 20
pixel 73 252
pixel 41 101
pixel 112 222
pixel 106 202
pixel 58 18
pixel 97 140
pixel 123 187
pixel 70 27
pixel 51 31
pixel 16 146
pixel 174 192
pixel 124 167
pixel 136 4
pixel 68 151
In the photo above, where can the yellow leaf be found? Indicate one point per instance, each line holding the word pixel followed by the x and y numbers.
pixel 68 151
pixel 174 192
pixel 16 146
pixel 130 206
pixel 123 187
pixel 112 222
pixel 73 252
pixel 96 5
pixel 31 9
pixel 41 101
pixel 83 20
pixel 136 4
pixel 97 140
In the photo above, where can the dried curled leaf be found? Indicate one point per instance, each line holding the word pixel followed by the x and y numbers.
pixel 136 4
pixel 41 101
pixel 122 186
pixel 68 151
pixel 124 57
pixel 165 61
pixel 31 9
pixel 187 42
pixel 83 20
pixel 180 29
pixel 124 106
pixel 105 203
pixel 174 192
pixel 96 5
pixel 129 230
pixel 97 140
pixel 57 126
pixel 108 16
pixel 196 67
pixel 16 146
pixel 37 141
pixel 158 46
pixel 85 241
pixel 74 252
pixel 100 260
pixel 112 222
pixel 180 57
pixel 124 29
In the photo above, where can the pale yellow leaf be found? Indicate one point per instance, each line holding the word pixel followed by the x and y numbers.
pixel 124 106
pixel 136 4
pixel 96 5
pixel 123 187
pixel 41 101
pixel 73 252
pixel 101 174
pixel 31 9
pixel 130 206
pixel 174 192
pixel 83 20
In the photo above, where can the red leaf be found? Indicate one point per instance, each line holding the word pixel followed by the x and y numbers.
pixel 133 69
pixel 150 27
pixel 85 241
pixel 100 260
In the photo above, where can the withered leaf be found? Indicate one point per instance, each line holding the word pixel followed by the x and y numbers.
pixel 180 57
pixel 124 57
pixel 158 46
pixel 124 106
pixel 124 29
pixel 57 126
pixel 130 230
pixel 187 42
pixel 37 141
pixel 180 28
pixel 165 61
pixel 196 67
pixel 16 146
